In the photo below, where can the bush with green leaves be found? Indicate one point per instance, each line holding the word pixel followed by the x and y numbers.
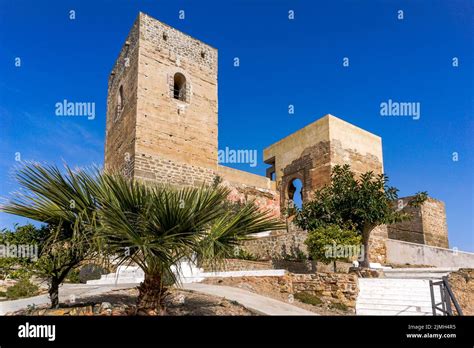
pixel 63 201
pixel 27 236
pixel 361 204
pixel 23 288
pixel 73 277
pixel 243 254
pixel 308 298
pixel 332 243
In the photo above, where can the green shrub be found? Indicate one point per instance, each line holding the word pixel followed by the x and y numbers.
pixel 331 243
pixel 245 255
pixel 339 306
pixel 23 288
pixel 3 294
pixel 308 298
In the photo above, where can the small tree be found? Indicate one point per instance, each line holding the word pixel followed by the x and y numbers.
pixel 333 243
pixel 363 203
pixel 66 203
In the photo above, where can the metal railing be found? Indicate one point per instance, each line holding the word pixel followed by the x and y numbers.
pixel 447 297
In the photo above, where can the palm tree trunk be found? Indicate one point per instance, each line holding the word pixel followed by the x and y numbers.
pixel 54 292
pixel 151 295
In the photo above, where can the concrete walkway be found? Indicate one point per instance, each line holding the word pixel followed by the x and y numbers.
pixel 66 292
pixel 261 304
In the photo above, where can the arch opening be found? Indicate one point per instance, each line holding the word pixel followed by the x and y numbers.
pixel 120 102
pixel 295 194
pixel 179 87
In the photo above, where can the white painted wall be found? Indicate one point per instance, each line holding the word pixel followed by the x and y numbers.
pixel 400 252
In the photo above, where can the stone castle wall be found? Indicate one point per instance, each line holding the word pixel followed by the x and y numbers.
pixel 167 171
pixel 434 223
pixel 121 125
pixel 278 245
pixel 247 187
pixel 426 226
pixel 230 265
pixel 291 245
pixel 184 131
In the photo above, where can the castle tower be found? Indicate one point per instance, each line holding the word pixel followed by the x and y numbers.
pixel 162 106
pixel 309 154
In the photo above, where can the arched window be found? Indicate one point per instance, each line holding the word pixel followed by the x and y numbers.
pixel 120 101
pixel 295 193
pixel 179 87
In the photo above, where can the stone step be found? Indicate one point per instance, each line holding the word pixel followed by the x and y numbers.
pixel 395 307
pixel 390 312
pixel 398 289
pixel 393 301
pixel 428 276
pixel 395 296
pixel 418 273
pixel 389 296
pixel 422 270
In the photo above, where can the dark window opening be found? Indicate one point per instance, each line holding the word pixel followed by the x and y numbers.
pixel 179 87
pixel 120 102
pixel 270 172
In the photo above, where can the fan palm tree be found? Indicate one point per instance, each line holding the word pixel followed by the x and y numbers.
pixel 66 203
pixel 156 226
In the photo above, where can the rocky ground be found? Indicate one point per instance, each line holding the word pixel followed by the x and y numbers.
pixel 462 284
pixel 266 286
pixel 122 302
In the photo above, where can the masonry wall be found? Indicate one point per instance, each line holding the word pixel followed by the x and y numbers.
pixel 230 265
pixel 310 154
pixel 434 223
pixel 331 287
pixel 462 284
pixel 247 187
pixel 168 129
pixel 120 127
pixel 401 253
pixel 355 146
pixel 426 226
pixel 168 171
pixel 278 245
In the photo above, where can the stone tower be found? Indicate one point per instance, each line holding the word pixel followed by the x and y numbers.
pixel 162 106
pixel 310 153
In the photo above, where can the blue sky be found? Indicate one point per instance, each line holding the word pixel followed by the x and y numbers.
pixel 282 62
